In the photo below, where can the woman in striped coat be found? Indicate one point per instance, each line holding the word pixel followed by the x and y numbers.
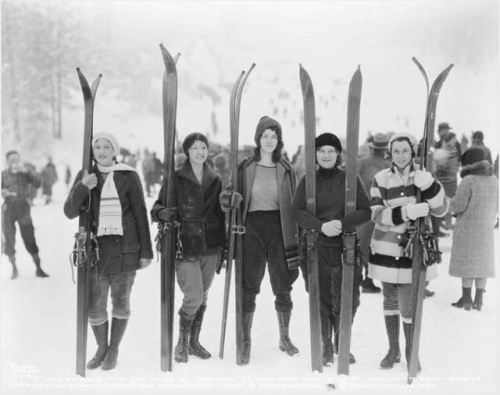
pixel 394 206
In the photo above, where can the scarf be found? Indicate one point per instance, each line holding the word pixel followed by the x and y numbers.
pixel 110 209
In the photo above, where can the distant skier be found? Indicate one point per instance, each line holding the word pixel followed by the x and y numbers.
pixel 122 228
pixel 329 222
pixel 393 208
pixel 17 182
pixel 49 178
pixel 474 206
pixel 148 171
pixel 67 177
pixel 267 184
pixel 202 237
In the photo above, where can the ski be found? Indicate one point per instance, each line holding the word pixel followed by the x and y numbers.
pixel 235 228
pixel 311 236
pixel 422 257
pixel 167 231
pixel 84 254
pixel 349 234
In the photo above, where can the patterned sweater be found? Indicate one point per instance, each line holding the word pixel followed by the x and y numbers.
pixel 390 191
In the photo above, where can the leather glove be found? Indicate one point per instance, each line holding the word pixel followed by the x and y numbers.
pixel 229 200
pixel 423 179
pixel 167 214
pixel 416 210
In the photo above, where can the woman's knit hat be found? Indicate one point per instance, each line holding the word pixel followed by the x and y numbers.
pixel 328 139
pixel 267 123
pixel 112 140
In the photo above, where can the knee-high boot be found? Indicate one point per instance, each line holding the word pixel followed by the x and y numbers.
pixel 101 337
pixel 195 348
pixel 394 354
pixel 336 327
pixel 326 337
pixel 284 324
pixel 182 347
pixel 117 330
pixel 408 339
pixel 246 339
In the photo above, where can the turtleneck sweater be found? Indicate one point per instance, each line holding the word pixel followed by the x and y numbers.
pixel 330 204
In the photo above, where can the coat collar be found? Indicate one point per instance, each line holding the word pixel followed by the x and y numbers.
pixel 209 174
pixel 119 177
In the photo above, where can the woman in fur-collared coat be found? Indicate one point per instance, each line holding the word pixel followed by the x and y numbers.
pixel 474 206
pixel 120 221
pixel 202 237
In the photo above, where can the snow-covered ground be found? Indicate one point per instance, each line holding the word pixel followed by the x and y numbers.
pixel 459 349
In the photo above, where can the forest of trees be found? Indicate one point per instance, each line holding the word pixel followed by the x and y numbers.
pixel 42 43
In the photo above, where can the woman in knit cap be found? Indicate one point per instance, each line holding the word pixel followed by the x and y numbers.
pixel 202 238
pixel 266 183
pixel 114 193
pixel 329 222
pixel 394 207
pixel 474 206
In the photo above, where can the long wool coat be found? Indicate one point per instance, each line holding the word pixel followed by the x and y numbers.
pixel 475 205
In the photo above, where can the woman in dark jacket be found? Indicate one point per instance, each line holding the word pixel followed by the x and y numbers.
pixel 267 184
pixel 329 222
pixel 121 224
pixel 202 236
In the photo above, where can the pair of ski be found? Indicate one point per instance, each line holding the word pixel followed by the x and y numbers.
pixel 349 258
pixel 235 229
pixel 420 256
pixel 84 237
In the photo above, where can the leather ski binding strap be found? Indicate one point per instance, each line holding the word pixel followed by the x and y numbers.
pixel 350 248
pixel 238 229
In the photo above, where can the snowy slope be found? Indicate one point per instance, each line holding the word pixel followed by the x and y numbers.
pixel 459 349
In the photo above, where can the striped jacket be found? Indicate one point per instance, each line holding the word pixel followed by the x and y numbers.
pixel 390 191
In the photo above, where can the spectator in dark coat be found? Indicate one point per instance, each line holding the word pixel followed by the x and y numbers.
pixel 478 141
pixel 119 220
pixel 17 182
pixel 368 166
pixel 202 237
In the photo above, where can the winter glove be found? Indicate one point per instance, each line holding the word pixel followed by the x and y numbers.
pixel 167 214
pixel 332 228
pixel 423 179
pixel 89 180
pixel 229 200
pixel 415 210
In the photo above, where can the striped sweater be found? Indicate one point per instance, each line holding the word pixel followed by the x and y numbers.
pixel 390 191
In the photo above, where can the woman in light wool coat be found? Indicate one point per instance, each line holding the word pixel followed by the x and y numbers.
pixel 474 206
